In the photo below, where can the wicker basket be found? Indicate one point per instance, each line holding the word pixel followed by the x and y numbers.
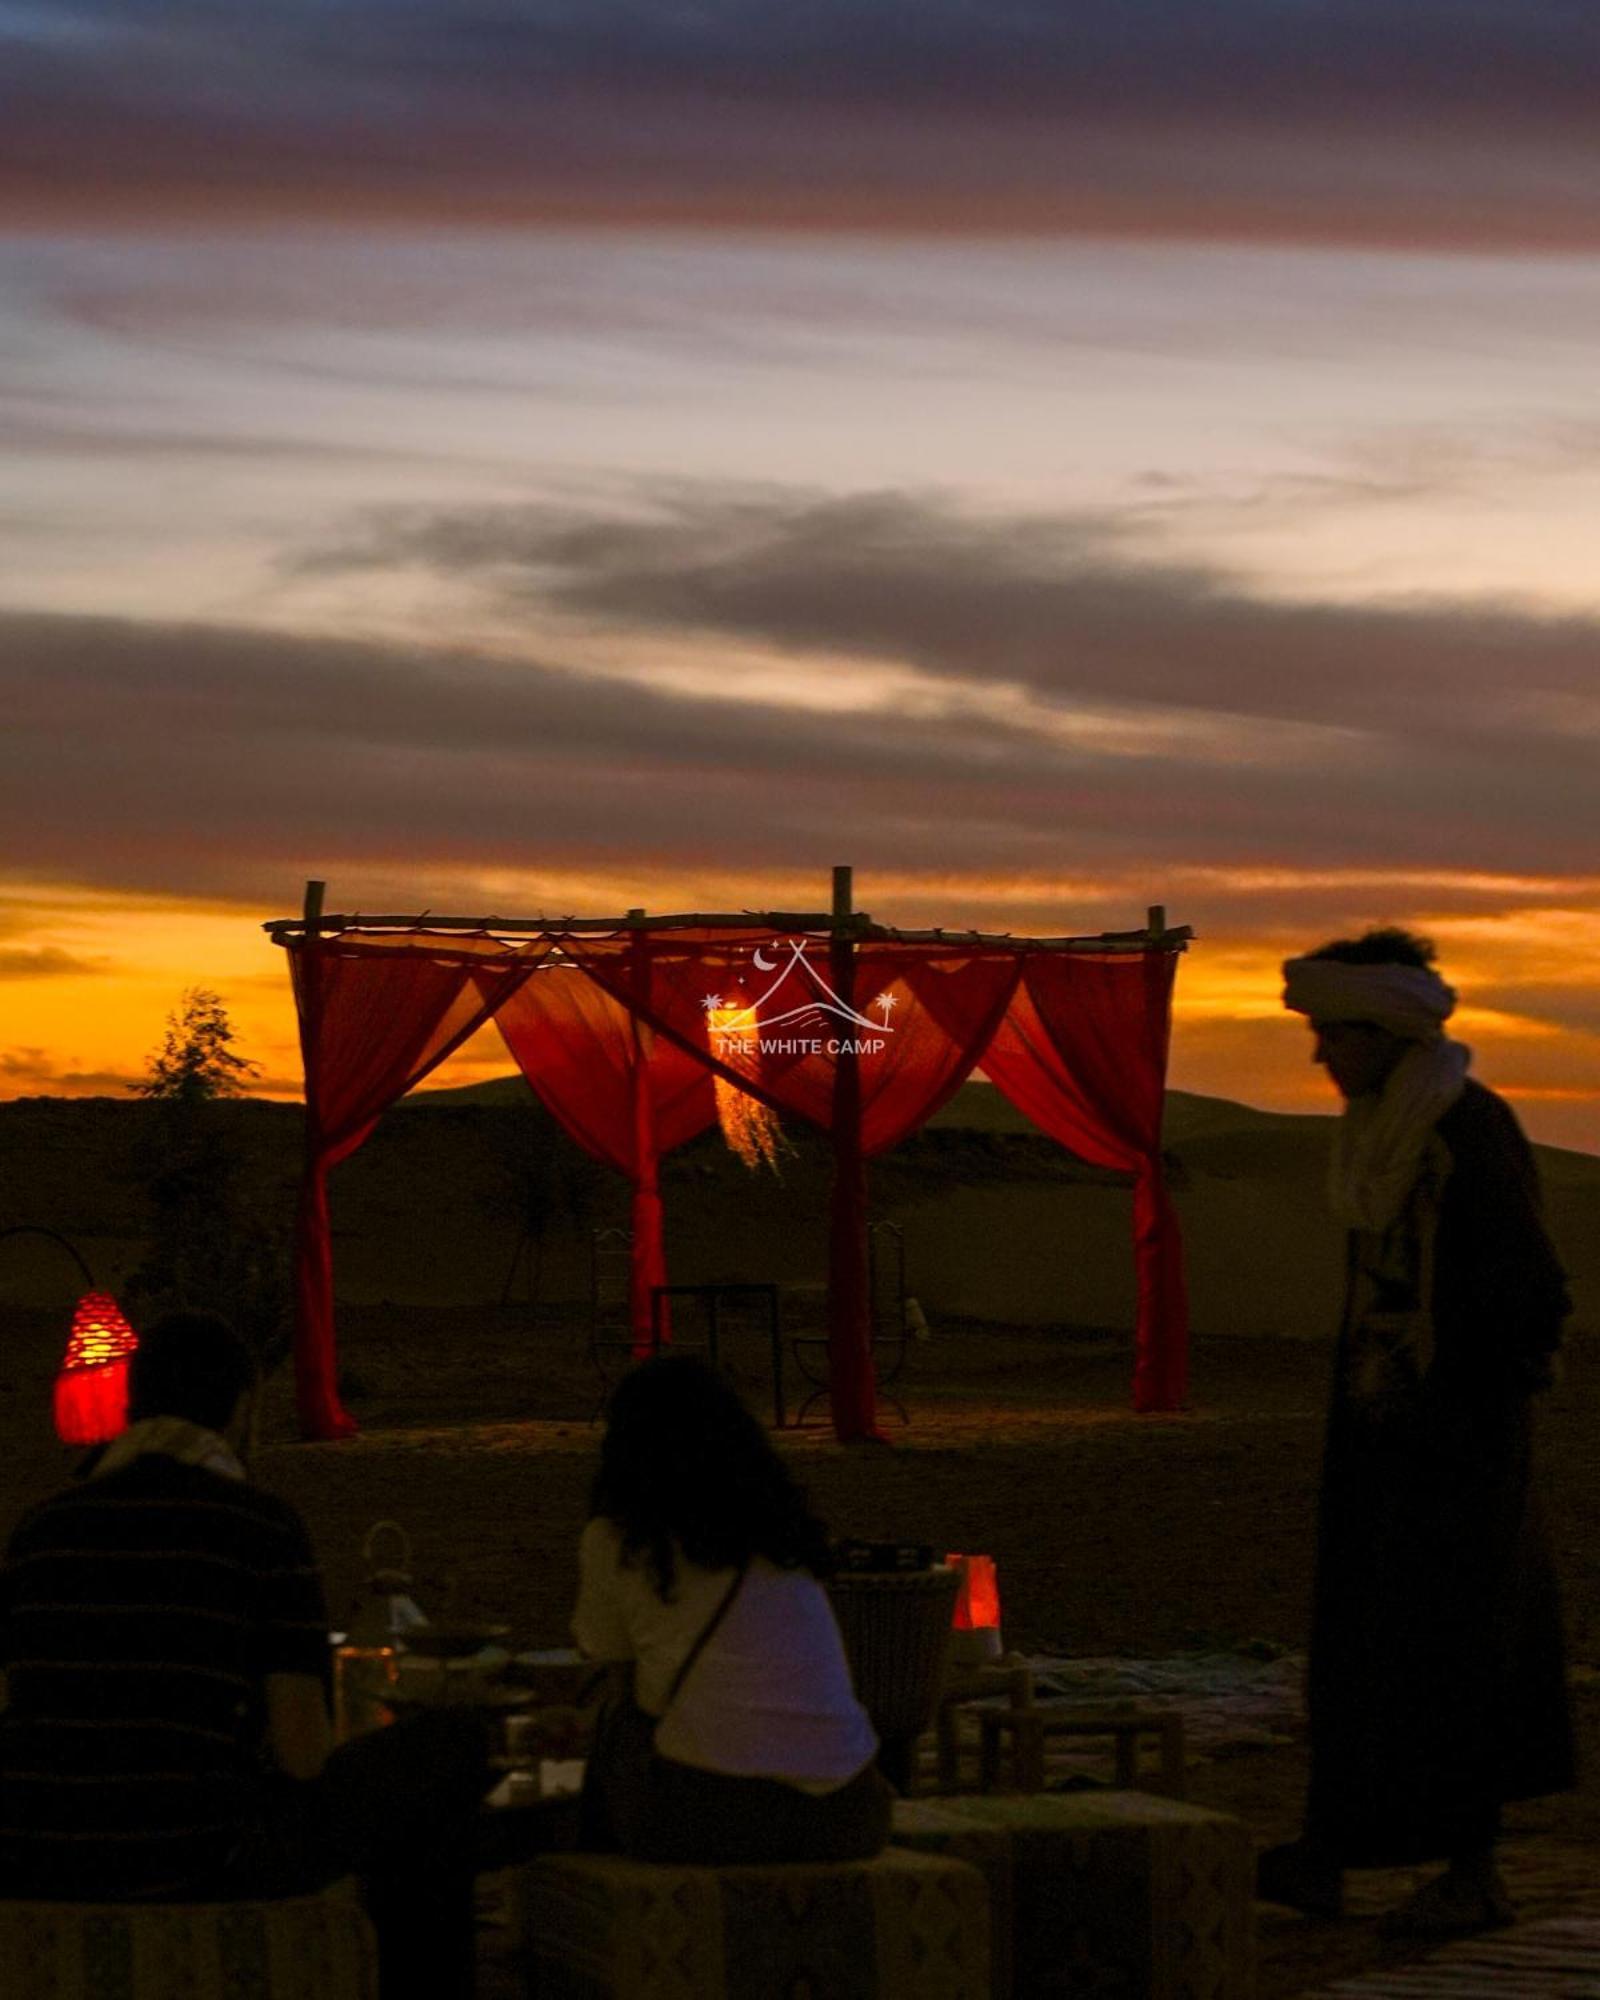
pixel 897 1634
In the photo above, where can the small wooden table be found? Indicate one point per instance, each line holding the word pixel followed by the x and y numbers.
pixel 1125 1722
pixel 714 1298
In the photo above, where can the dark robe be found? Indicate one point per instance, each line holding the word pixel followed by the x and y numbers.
pixel 1437 1688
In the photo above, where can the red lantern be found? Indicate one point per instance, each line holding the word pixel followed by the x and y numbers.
pixel 977 1618
pixel 91 1399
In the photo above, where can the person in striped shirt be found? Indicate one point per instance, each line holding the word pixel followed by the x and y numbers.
pixel 164 1642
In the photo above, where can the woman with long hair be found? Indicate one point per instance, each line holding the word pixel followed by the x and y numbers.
pixel 733 1733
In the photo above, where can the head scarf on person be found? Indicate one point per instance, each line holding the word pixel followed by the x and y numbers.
pixel 1410 1001
pixel 1378 1149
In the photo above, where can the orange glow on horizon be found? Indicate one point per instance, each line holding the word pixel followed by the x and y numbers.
pixel 89 978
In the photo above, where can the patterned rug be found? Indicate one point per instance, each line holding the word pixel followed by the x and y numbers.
pixel 1558 1959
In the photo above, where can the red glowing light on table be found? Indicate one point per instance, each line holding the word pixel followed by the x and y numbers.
pixel 978 1599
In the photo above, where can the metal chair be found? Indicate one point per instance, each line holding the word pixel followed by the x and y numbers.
pixel 895 1321
pixel 611 1337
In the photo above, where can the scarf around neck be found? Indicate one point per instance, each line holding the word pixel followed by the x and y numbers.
pixel 172 1437
pixel 1379 1143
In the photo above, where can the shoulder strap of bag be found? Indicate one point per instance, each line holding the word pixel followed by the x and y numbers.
pixel 704 1636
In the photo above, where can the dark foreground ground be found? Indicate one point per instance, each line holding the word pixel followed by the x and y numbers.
pixel 1113 1533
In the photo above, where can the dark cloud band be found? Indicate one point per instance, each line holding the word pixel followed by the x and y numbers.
pixel 1437 121
pixel 1070 608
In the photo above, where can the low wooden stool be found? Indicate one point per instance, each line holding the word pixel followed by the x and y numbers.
pixel 601 1927
pixel 317 1947
pixel 965 1694
pixel 1031 1728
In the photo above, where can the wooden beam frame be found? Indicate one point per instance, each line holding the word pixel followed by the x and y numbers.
pixel 853 923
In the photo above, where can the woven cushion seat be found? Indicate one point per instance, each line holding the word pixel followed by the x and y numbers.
pixel 1103 1892
pixel 606 1928
pixel 317 1947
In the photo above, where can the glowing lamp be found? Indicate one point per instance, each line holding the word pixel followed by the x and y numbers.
pixel 749 1127
pixel 977 1613
pixel 91 1395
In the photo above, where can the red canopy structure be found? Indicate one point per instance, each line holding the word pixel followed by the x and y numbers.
pixel 624 1027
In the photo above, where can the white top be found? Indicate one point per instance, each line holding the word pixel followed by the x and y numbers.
pixel 770 1695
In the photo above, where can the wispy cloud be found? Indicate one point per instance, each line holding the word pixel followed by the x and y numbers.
pixel 26 1071
pixel 1063 603
pixel 935 686
pixel 49 962
pixel 1436 712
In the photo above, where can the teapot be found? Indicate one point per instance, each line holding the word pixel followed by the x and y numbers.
pixel 387 1610
pixel 365 1664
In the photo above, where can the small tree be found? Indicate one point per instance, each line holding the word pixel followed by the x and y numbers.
pixel 209 1244
pixel 196 1060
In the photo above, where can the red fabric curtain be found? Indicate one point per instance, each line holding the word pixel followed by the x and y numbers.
pixel 698 990
pixel 945 1003
pixel 624 1093
pixel 764 1009
pixel 375 1017
pixel 1082 1051
pixel 845 1039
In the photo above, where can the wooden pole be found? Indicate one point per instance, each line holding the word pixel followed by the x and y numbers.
pixel 851 1386
pixel 646 1256
pixel 322 1415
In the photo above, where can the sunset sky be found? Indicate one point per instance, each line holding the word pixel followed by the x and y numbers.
pixel 566 455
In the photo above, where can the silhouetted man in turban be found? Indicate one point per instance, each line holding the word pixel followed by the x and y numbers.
pixel 1436 1689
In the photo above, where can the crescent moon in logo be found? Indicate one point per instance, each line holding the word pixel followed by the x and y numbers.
pixel 763 964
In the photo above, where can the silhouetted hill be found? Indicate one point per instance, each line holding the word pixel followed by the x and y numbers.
pixel 999 1222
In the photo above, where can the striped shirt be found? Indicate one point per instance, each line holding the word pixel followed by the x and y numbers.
pixel 140 1614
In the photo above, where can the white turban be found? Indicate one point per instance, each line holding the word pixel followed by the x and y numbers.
pixel 1410 1001
pixel 1379 1145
